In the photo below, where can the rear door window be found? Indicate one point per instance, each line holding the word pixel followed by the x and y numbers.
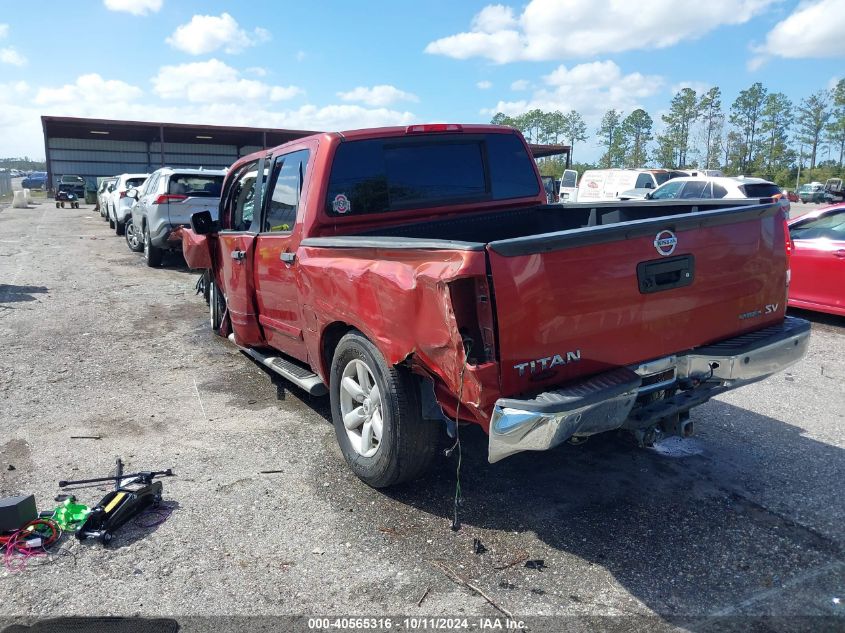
pixel 286 191
pixel 378 175
pixel 694 189
pixel 134 182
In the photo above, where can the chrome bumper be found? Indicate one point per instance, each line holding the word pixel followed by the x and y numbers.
pixel 609 401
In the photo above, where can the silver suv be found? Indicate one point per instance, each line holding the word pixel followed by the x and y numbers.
pixel 166 202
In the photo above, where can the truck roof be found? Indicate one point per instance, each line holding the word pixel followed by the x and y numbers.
pixel 381 132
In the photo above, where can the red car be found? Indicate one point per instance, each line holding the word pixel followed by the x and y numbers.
pixel 818 261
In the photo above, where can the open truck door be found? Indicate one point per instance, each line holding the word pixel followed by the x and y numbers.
pixel 239 219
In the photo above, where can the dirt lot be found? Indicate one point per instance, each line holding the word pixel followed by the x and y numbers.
pixel 746 518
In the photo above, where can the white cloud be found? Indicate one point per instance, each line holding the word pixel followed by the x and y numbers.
pixel 91 88
pixel 11 56
pixel 590 88
pixel 815 29
pixel 207 33
pixel 560 29
pixel 381 95
pixel 300 56
pixel 135 7
pixel 257 71
pixel 484 85
pixel 700 87
pixel 214 81
pixel 520 84
pixel 13 92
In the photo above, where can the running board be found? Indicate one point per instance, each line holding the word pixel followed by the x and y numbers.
pixel 298 375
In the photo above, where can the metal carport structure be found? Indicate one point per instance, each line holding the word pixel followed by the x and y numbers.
pixel 93 148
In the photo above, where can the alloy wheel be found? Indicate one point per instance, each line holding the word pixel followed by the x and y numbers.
pixel 361 408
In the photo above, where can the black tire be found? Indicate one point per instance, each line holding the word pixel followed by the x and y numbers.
pixel 133 237
pixel 152 254
pixel 408 443
pixel 111 223
pixel 216 307
pixel 57 205
pixel 119 228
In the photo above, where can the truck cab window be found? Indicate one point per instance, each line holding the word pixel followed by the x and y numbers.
pixel 241 199
pixel 288 176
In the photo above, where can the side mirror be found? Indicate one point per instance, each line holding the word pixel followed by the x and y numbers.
pixel 202 223
pixel 132 193
pixel 648 195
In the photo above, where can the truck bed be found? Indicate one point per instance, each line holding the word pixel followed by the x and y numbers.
pixel 477 230
pixel 589 284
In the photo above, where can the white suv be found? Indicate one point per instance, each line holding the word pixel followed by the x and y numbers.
pixel 118 204
pixel 710 188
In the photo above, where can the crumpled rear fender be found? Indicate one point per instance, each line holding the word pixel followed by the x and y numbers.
pixel 401 300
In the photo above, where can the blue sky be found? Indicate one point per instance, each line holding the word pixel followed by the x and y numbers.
pixel 341 65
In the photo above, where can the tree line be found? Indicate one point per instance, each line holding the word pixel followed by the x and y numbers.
pixel 762 133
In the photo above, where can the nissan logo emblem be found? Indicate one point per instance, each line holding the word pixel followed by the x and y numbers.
pixel 665 243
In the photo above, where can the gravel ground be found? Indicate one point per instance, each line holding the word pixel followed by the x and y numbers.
pixel 746 518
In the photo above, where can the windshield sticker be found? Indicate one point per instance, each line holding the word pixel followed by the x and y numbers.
pixel 340 204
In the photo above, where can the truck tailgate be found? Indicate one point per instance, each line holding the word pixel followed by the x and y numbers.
pixel 574 303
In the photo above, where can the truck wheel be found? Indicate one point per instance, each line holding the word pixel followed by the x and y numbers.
pixel 377 416
pixel 216 307
pixel 133 237
pixel 119 228
pixel 152 254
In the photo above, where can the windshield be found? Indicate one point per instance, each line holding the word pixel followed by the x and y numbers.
pixel 830 226
pixel 378 175
pixel 661 178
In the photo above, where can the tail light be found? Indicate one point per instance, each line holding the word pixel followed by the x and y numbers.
pixel 433 127
pixel 170 197
pixel 787 238
pixel 788 247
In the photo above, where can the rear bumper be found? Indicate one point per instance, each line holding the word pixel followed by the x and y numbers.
pixel 610 400
pixel 168 236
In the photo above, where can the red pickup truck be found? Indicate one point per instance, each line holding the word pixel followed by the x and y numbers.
pixel 418 276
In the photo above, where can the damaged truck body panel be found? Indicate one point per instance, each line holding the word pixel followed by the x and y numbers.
pixel 414 269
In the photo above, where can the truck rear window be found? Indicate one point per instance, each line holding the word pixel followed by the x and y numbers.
pixel 195 186
pixel 378 175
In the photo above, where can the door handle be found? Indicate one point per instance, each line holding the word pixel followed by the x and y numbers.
pixel 839 253
pixel 238 256
pixel 287 258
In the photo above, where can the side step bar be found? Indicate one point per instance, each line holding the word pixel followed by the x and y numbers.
pixel 298 375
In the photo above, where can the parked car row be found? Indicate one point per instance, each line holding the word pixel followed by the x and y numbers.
pixel 147 209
